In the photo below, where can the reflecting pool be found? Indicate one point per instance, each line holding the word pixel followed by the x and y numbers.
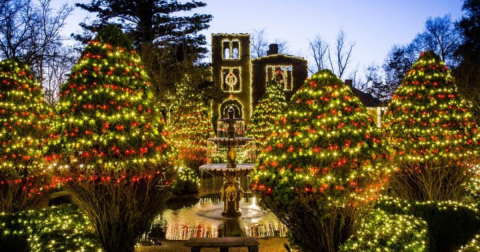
pixel 185 218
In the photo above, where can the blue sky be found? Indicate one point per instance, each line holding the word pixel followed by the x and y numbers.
pixel 373 25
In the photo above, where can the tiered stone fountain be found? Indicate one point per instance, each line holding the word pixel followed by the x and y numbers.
pixel 231 191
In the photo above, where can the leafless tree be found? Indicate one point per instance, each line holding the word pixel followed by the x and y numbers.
pixel 440 35
pixel 30 30
pixel 56 71
pixel 259 44
pixel 343 55
pixel 338 61
pixel 320 51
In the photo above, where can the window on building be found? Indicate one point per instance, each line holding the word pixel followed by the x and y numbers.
pixel 236 49
pixel 226 49
pixel 282 74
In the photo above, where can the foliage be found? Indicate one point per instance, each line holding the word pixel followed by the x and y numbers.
pixel 389 232
pixel 430 134
pixel 31 31
pixel 397 64
pixel 318 170
pixel 187 181
pixel 266 112
pixel 25 121
pixel 450 224
pixel 440 35
pixel 169 40
pixel 191 127
pixel 473 185
pixel 116 156
pixel 467 74
pixel 62 228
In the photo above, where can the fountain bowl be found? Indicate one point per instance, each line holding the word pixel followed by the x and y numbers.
pixel 222 170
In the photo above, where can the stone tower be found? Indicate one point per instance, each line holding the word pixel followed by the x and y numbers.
pixel 231 67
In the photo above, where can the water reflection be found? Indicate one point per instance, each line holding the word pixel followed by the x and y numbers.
pixel 202 218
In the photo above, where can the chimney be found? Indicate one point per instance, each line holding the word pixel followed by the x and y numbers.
pixel 272 49
pixel 348 82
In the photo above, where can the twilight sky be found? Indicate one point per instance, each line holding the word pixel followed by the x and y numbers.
pixel 373 25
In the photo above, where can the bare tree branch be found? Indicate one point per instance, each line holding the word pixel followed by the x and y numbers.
pixel 343 54
pixel 319 50
pixel 323 58
pixel 258 43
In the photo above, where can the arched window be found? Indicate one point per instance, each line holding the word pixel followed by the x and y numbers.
pixel 236 49
pixel 235 53
pixel 226 49
pixel 226 53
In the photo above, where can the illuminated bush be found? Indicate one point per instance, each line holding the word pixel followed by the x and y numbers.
pixel 389 232
pixel 430 134
pixel 24 122
pixel 266 112
pixel 450 224
pixel 116 157
pixel 191 127
pixel 318 172
pixel 62 228
pixel 187 181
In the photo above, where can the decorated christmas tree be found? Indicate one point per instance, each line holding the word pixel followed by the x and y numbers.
pixel 191 127
pixel 117 160
pixel 24 120
pixel 318 171
pixel 266 112
pixel 430 134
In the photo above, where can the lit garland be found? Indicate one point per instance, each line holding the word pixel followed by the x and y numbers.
pixel 24 122
pixel 266 112
pixel 285 71
pixel 192 128
pixel 472 246
pixel 107 120
pixel 427 121
pixel 53 229
pixel 235 85
pixel 325 144
pixel 389 232
pixel 405 206
pixel 231 48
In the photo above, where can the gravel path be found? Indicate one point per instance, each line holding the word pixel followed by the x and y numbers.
pixel 266 245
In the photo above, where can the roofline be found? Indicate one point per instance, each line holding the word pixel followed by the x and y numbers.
pixel 280 54
pixel 231 34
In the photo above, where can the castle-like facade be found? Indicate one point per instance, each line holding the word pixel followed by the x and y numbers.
pixel 245 80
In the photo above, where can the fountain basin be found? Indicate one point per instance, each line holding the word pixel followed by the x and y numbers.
pixel 231 141
pixel 203 218
pixel 221 170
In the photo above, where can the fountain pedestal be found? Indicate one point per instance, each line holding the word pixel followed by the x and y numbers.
pixel 231 195
pixel 231 191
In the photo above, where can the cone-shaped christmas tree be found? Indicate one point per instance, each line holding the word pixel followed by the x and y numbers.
pixel 318 170
pixel 113 141
pixel 24 120
pixel 192 128
pixel 266 112
pixel 429 133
